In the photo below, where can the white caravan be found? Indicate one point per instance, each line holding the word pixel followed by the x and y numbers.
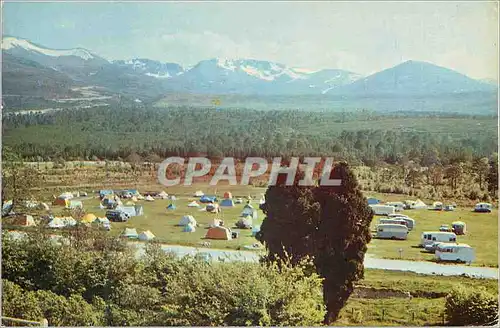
pixel 383 209
pixel 410 223
pixel 399 206
pixel 455 253
pixel 392 231
pixel 430 237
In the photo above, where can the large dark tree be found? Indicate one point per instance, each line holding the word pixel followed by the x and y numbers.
pixel 492 177
pixel 331 224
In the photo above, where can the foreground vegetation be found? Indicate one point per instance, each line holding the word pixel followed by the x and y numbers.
pixel 101 283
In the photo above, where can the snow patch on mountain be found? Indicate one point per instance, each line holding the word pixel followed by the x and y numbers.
pixel 12 43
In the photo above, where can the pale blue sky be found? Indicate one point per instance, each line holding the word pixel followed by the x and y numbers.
pixel 362 37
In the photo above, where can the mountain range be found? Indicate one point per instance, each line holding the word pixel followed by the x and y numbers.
pixel 32 71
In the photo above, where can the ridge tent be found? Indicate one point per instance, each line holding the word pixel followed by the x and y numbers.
pixel 149 198
pixel 171 207
pixel 43 206
pixel 221 233
pixel 146 235
pixel 418 205
pixel 373 201
pixel 262 201
pixel 88 218
pixel 208 199
pixel 187 219
pixel 173 197
pixel 23 220
pixel 228 202
pixel 134 199
pixel 215 223
pixel 213 208
pixel 198 193
pixel 189 228
pixel 66 195
pixel 101 221
pixel 193 204
pixel 255 230
pixel 249 211
pixel 227 194
pixel 244 223
pixel 163 195
pixel 130 233
pixel 61 202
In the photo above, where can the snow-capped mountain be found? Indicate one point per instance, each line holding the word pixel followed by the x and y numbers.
pixel 14 45
pixel 152 68
pixel 250 76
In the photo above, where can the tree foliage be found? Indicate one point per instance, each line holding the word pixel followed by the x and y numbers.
pixel 331 224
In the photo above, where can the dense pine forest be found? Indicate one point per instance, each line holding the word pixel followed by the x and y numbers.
pixel 361 137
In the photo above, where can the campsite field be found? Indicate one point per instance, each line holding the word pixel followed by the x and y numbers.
pixel 482 228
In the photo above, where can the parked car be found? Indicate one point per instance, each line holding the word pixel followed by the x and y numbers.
pixel 445 228
pixel 117 216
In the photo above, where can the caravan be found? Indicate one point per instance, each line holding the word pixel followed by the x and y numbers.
pixel 483 208
pixel 392 231
pixel 430 237
pixel 455 253
pixel 383 209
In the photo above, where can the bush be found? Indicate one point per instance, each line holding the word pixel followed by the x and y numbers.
pixel 471 307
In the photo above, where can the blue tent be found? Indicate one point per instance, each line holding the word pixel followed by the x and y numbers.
pixel 373 201
pixel 171 207
pixel 227 202
pixel 103 193
pixel 189 228
pixel 208 199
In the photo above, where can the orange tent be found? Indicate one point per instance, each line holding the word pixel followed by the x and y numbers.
pixel 61 202
pixel 227 194
pixel 222 233
pixel 23 220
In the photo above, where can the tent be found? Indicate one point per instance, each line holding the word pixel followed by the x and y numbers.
pixel 227 194
pixel 146 235
pixel 255 230
pixel 219 233
pixel 23 220
pixel 418 205
pixel 228 202
pixel 74 204
pixel 30 204
pixel 171 207
pixel 189 228
pixel 238 201
pixel 163 195
pixel 61 202
pixel 129 203
pixel 198 193
pixel 88 218
pixel 130 233
pixel 61 222
pixel 173 197
pixel 208 199
pixel 134 199
pixel 7 207
pixel 193 204
pixel 373 201
pixel 101 221
pixel 248 210
pixel 103 193
pixel 214 208
pixel 187 219
pixel 66 195
pixel 262 201
pixel 149 198
pixel 139 210
pixel 141 197
pixel 244 223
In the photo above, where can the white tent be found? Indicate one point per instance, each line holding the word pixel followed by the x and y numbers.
pixel 173 197
pixel 146 235
pixel 141 197
pixel 199 193
pixel 163 195
pixel 43 206
pixel 215 223
pixel 187 219
pixel 419 205
pixel 66 195
pixel 129 203
pixel 189 228
pixel 149 198
pixel 193 204
pixel 134 199
pixel 238 201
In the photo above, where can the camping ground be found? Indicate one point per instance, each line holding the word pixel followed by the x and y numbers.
pixel 482 228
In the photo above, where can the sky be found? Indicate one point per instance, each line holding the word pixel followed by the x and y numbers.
pixel 362 37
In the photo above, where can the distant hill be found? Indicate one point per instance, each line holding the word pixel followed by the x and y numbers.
pixel 414 78
pixel 34 75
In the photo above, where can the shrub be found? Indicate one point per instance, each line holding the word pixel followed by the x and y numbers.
pixel 471 307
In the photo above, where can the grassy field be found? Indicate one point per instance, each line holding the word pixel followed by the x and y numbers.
pixel 482 228
pixel 420 310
